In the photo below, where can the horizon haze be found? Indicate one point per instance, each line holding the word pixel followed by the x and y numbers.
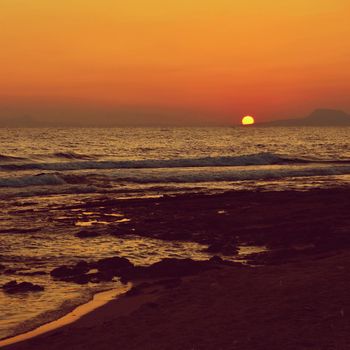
pixel 89 63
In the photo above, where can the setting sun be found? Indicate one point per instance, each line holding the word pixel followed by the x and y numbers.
pixel 248 120
pixel 155 140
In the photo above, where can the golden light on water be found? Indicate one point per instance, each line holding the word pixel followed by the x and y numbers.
pixel 248 120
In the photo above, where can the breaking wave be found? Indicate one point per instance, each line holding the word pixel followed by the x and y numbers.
pixel 83 164
pixel 71 155
pixel 228 174
pixel 35 180
pixel 7 158
pixel 174 175
pixel 4 158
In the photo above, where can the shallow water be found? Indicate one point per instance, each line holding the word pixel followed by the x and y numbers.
pixel 97 301
pixel 53 244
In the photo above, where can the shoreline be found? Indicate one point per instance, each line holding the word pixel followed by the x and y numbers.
pixel 303 305
pixel 98 300
pixel 296 299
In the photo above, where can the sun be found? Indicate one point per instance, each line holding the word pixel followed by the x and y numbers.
pixel 248 120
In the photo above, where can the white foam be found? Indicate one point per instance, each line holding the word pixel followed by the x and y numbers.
pixel 243 160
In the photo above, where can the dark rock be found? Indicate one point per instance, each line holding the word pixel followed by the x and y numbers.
pixel 80 279
pixel 176 267
pixel 274 257
pixel 167 268
pixel 10 284
pixel 104 276
pixel 108 268
pixel 23 287
pixel 82 267
pixel 78 273
pixel 87 234
pixel 126 226
pixel 2 267
pixel 33 273
pixel 64 271
pixel 216 260
pixel 94 279
pixel 178 235
pixel 113 264
pixel 229 250
pixel 214 248
pixel 226 248
pixel 122 230
pixel 20 230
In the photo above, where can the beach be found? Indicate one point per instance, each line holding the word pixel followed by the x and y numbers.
pixel 174 175
pixel 303 305
pixel 292 295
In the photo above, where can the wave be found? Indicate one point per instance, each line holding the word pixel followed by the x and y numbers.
pixel 56 155
pixel 71 155
pixel 7 158
pixel 173 175
pixel 35 180
pixel 229 174
pixel 225 161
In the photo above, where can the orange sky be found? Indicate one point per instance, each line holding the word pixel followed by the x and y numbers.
pixel 174 61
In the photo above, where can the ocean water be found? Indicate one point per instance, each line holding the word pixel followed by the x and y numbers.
pixel 43 172
pixel 156 160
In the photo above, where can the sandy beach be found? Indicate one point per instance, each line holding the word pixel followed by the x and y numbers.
pixel 294 296
pixel 303 305
pixel 174 175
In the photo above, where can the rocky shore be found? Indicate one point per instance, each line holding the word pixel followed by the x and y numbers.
pixel 292 296
pixel 291 224
pixel 302 305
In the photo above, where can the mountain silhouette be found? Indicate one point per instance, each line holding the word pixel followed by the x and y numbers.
pixel 319 117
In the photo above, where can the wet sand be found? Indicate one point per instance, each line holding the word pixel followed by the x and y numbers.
pixel 303 305
pixel 296 299
pixel 98 300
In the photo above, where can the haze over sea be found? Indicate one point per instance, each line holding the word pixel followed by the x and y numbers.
pixel 46 172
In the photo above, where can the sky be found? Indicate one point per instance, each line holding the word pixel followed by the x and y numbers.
pixel 180 62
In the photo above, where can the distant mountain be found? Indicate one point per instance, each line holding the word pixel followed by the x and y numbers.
pixel 320 117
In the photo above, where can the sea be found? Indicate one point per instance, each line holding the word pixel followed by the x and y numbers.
pixel 45 172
